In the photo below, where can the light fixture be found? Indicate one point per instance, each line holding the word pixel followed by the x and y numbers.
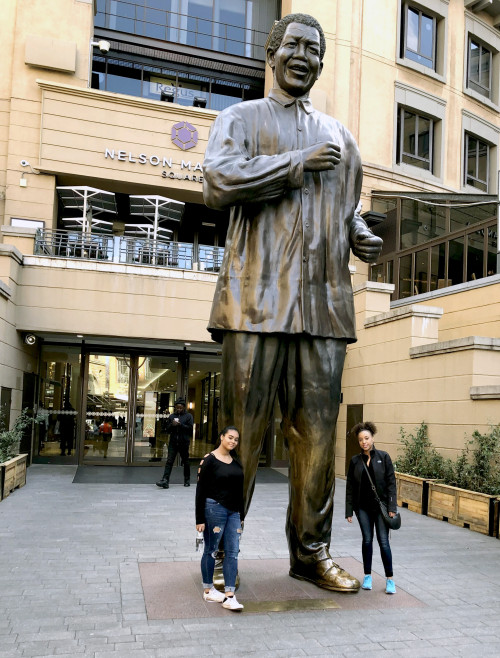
pixel 79 335
pixel 30 339
pixel 187 343
pixel 199 101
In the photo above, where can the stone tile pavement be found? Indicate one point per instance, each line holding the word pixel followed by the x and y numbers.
pixel 70 583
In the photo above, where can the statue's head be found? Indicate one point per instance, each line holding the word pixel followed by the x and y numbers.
pixel 295 53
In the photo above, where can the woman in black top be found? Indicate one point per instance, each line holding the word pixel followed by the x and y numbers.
pixel 219 505
pixel 360 499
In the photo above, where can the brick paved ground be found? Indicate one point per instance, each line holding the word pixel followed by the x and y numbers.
pixel 70 583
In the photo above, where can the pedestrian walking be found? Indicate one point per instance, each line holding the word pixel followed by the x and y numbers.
pixel 360 498
pixel 219 505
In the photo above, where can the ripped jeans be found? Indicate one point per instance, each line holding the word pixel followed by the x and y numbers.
pixel 219 522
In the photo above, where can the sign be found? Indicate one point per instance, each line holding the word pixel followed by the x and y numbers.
pixel 185 170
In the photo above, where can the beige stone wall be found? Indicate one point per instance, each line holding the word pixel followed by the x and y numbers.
pixel 405 369
pixel 15 356
pixel 77 297
pixel 20 97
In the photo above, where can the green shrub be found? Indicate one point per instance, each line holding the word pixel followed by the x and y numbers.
pixel 478 467
pixel 10 439
pixel 419 457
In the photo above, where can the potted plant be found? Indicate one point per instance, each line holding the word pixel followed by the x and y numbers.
pixel 418 463
pixel 468 496
pixel 12 464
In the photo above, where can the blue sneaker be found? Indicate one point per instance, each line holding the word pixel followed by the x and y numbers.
pixel 367 582
pixel 390 587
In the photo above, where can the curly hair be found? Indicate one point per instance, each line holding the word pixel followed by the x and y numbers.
pixel 362 427
pixel 279 30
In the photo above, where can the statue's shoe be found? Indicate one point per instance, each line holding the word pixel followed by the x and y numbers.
pixel 326 574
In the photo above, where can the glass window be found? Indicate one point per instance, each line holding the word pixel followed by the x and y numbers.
pixel 405 289
pixel 377 273
pixel 456 262
pixel 225 93
pixel 420 37
pixel 415 139
pixel 491 246
pixel 468 216
pixel 421 272
pixel 420 222
pixel 479 70
pixel 475 255
pixel 438 267
pixel 476 162
pixel 124 77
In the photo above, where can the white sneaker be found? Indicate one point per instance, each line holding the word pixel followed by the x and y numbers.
pixel 231 603
pixel 214 595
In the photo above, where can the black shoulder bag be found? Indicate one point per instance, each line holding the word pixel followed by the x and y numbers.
pixel 392 522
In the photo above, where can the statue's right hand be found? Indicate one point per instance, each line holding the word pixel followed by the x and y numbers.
pixel 320 157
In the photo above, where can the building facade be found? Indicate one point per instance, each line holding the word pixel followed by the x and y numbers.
pixel 108 257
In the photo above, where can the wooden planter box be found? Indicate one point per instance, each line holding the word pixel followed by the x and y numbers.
pixel 464 508
pixel 13 475
pixel 412 492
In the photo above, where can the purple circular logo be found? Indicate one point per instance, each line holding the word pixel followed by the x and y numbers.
pixel 184 135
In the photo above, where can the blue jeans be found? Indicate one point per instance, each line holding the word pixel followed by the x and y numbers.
pixel 367 520
pixel 220 522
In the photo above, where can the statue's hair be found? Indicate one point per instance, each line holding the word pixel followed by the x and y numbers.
pixel 362 427
pixel 279 30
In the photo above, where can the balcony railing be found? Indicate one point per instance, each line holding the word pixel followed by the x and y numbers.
pixel 129 250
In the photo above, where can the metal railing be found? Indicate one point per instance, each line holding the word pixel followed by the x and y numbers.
pixel 130 250
pixel 185 29
pixel 72 244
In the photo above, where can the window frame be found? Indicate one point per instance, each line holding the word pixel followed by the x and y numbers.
pixel 489 134
pixel 438 11
pixel 401 153
pixel 482 33
pixel 406 48
pixel 467 176
pixel 477 83
pixel 431 107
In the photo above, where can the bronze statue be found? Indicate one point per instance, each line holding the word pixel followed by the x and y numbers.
pixel 283 306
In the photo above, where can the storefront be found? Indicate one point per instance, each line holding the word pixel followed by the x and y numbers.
pixel 134 391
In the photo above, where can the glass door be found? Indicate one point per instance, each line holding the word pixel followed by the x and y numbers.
pixel 107 408
pixel 154 395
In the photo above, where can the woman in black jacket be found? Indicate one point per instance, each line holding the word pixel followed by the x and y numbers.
pixel 360 499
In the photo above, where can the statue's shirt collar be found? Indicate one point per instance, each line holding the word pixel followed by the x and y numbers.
pixel 286 100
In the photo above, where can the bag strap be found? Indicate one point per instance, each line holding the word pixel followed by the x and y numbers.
pixel 371 481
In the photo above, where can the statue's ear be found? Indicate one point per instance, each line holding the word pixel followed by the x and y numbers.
pixel 320 69
pixel 270 58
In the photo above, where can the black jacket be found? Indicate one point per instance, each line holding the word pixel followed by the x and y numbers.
pixel 184 431
pixel 385 481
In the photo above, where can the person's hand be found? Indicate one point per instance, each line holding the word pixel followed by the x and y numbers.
pixel 200 527
pixel 367 247
pixel 320 157
pixel 392 514
pixel 349 519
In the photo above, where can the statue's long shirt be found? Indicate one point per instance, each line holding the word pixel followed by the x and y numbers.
pixel 286 260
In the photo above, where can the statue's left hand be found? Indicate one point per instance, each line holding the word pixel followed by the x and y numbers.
pixel 367 247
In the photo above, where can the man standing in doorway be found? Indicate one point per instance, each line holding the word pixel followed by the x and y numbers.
pixel 180 427
pixel 283 306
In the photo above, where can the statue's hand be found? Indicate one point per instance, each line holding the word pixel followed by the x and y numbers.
pixel 367 247
pixel 320 157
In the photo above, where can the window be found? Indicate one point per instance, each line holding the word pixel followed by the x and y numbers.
pixel 482 61
pixel 422 36
pixel 479 68
pixel 476 162
pixel 480 153
pixel 418 128
pixel 415 136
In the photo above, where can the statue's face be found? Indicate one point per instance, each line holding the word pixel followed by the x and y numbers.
pixel 296 63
